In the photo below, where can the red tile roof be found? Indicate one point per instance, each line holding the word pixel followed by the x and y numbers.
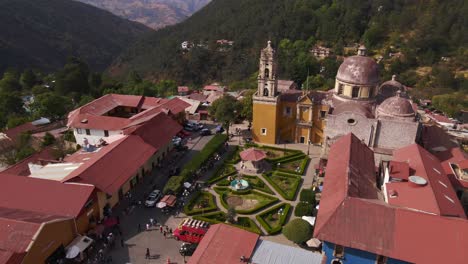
pixel 112 165
pixel 224 244
pixel 22 169
pixel 13 133
pixel 399 170
pixel 198 96
pixel 351 215
pixel 454 156
pixel 252 154
pixel 435 138
pixel 9 257
pixel 43 196
pixel 440 118
pixel 158 131
pixel 437 196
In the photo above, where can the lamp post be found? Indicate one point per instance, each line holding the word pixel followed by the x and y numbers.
pixel 308 147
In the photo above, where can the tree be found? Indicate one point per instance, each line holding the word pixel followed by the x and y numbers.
pixel 247 106
pixel 231 215
pixel 9 83
pixel 48 139
pixel 226 110
pixel 73 79
pixel 51 105
pixel 450 104
pixel 298 231
pixel 28 79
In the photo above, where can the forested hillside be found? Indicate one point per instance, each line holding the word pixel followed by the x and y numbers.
pixel 152 13
pixel 422 31
pixel 43 33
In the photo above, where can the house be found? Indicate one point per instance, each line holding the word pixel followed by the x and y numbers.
pixel 214 87
pixel 231 245
pixel 394 217
pixel 33 238
pixel 183 90
pixel 111 114
pixel 441 120
pixel 320 52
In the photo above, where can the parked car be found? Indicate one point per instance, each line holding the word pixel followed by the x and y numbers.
pixel 187 249
pixel 191 230
pixel 153 198
pixel 176 140
pixel 219 129
pixel 205 132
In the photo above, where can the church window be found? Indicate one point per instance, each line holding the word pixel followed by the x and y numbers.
pixel 323 114
pixel 267 73
pixel 339 251
pixel 264 131
pixel 88 132
pixel 355 92
pixel 340 88
pixel 79 131
pixel 106 133
pixel 351 121
pixel 381 260
pixel 265 92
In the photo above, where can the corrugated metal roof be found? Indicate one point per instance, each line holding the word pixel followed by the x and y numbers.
pixel 267 252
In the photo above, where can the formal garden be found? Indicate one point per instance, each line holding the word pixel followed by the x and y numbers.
pixel 260 201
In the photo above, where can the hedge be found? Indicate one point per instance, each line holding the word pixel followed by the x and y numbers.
pixel 233 157
pixel 276 229
pixel 288 195
pixel 213 217
pixel 220 190
pixel 224 182
pixel 261 186
pixel 174 184
pixel 307 195
pixel 287 158
pixel 302 167
pixel 222 172
pixel 271 201
pixel 189 207
pixel 303 208
pixel 243 222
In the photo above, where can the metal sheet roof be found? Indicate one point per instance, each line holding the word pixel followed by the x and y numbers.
pixel 267 252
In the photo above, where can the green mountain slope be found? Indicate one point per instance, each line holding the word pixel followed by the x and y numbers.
pixel 424 29
pixel 43 33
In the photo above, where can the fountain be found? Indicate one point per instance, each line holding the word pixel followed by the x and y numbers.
pixel 239 184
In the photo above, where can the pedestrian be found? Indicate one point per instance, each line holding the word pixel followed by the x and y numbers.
pixel 167 229
pixel 122 243
pixel 165 233
pixel 139 227
pixel 147 253
pixel 160 229
pixel 170 230
pixel 147 227
pixel 151 221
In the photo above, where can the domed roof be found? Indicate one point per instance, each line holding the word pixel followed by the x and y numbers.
pixel 389 89
pixel 353 107
pixel 359 70
pixel 397 107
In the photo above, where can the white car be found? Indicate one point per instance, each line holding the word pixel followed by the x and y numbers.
pixel 153 198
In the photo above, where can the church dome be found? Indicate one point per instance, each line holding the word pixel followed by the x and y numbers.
pixel 396 107
pixel 353 107
pixel 389 89
pixel 359 70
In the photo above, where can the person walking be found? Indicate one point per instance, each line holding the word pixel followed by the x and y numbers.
pixel 165 233
pixel 160 229
pixel 170 230
pixel 147 256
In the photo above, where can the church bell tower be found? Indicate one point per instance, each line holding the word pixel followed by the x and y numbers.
pixel 267 83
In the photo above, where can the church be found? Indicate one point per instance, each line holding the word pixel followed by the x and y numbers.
pixel 376 113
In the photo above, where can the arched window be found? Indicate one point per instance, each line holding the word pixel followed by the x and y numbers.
pixel 340 88
pixel 267 73
pixel 355 93
pixel 265 92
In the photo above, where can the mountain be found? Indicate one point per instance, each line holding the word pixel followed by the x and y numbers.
pixel 423 30
pixel 152 13
pixel 43 33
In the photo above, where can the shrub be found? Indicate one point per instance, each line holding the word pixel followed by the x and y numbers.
pixel 173 185
pixel 298 231
pixel 231 214
pixel 224 182
pixel 48 139
pixel 220 190
pixel 307 195
pixel 248 224
pixel 290 193
pixel 222 172
pixel 269 213
pixel 213 217
pixel 303 208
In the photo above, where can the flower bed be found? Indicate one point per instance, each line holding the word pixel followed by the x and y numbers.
pixel 284 183
pixel 271 223
pixel 297 165
pixel 201 202
pixel 263 200
pixel 258 184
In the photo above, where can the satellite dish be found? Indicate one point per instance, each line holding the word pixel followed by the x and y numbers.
pixel 417 181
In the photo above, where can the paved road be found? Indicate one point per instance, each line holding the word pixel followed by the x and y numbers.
pixel 136 242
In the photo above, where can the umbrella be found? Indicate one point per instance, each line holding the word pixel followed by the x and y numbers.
pixel 313 242
pixel 187 185
pixel 309 219
pixel 72 252
pixel 161 204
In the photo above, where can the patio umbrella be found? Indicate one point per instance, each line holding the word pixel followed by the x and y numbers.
pixel 161 204
pixel 314 243
pixel 72 252
pixel 187 185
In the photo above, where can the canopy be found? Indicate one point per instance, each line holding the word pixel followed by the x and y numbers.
pixel 78 245
pixel 309 219
pixel 252 154
pixel 161 204
pixel 314 243
pixel 170 200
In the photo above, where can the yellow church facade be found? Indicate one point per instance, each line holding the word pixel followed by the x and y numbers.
pixel 287 116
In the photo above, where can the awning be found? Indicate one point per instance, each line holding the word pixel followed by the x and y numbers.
pixel 309 219
pixel 78 245
pixel 170 200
